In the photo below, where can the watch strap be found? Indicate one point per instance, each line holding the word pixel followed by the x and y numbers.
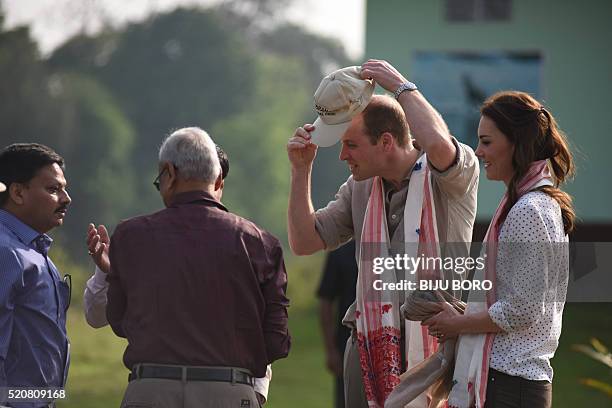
pixel 406 86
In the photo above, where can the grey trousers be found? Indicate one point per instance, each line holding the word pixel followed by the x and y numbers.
pixel 159 393
pixel 354 392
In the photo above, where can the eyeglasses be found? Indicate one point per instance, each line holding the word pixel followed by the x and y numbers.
pixel 156 181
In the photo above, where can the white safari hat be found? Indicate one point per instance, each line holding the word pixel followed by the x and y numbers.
pixel 2 187
pixel 339 98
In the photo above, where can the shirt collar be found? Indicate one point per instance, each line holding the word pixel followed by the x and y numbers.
pixel 418 165
pixel 199 196
pixel 24 232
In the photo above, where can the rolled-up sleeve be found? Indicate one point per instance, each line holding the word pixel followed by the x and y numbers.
pixel 275 321
pixel 461 175
pixel 522 261
pixel 334 222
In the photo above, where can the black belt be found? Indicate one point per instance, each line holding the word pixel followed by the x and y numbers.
pixel 186 373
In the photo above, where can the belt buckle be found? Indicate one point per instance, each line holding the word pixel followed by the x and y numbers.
pixel 184 375
pixel 136 371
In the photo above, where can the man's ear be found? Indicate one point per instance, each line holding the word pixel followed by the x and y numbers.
pixel 219 183
pixel 16 193
pixel 388 141
pixel 172 175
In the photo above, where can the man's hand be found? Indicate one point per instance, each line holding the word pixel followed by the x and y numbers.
pixel 383 73
pixel 427 127
pixel 300 150
pixel 334 361
pixel 97 246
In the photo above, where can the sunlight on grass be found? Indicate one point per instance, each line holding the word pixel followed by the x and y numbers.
pixel 98 378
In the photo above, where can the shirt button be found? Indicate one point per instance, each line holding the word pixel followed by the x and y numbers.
pixel 394 216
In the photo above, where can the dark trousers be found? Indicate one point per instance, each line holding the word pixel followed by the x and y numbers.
pixel 506 391
pixel 339 392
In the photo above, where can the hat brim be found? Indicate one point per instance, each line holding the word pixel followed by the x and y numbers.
pixel 325 135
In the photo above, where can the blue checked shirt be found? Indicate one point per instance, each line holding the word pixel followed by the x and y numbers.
pixel 34 348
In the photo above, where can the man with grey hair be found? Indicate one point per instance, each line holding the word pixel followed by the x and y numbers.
pixel 198 292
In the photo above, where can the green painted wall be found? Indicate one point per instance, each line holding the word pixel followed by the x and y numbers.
pixel 575 39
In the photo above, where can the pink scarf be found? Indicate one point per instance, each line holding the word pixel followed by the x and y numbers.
pixel 377 315
pixel 474 350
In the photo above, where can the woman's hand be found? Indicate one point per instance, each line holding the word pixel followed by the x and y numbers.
pixel 444 325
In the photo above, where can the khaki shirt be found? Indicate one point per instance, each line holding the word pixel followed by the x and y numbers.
pixel 454 193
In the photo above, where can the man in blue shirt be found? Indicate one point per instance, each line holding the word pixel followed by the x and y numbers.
pixel 34 348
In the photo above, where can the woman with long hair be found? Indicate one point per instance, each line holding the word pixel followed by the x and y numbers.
pixel 508 336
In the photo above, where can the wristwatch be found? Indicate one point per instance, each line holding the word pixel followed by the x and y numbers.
pixel 406 86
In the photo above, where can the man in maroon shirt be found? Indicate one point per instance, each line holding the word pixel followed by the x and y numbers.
pixel 198 292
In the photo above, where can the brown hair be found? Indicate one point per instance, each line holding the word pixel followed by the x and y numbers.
pixel 385 114
pixel 536 136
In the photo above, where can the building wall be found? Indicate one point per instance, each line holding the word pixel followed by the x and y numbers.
pixel 573 38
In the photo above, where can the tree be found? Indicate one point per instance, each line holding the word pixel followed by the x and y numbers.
pixel 173 70
pixel 251 87
pixel 77 117
pixel 255 140
pixel 27 109
pixel 97 140
pixel 318 55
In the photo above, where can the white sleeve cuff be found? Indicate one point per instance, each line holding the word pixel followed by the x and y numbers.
pixel 97 282
pixel 262 385
pixel 94 299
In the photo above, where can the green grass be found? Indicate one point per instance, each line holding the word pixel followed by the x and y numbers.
pixel 301 380
pixel 98 378
pixel 581 321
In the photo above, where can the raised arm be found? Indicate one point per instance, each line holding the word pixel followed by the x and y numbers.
pixel 96 288
pixel 426 124
pixel 303 236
